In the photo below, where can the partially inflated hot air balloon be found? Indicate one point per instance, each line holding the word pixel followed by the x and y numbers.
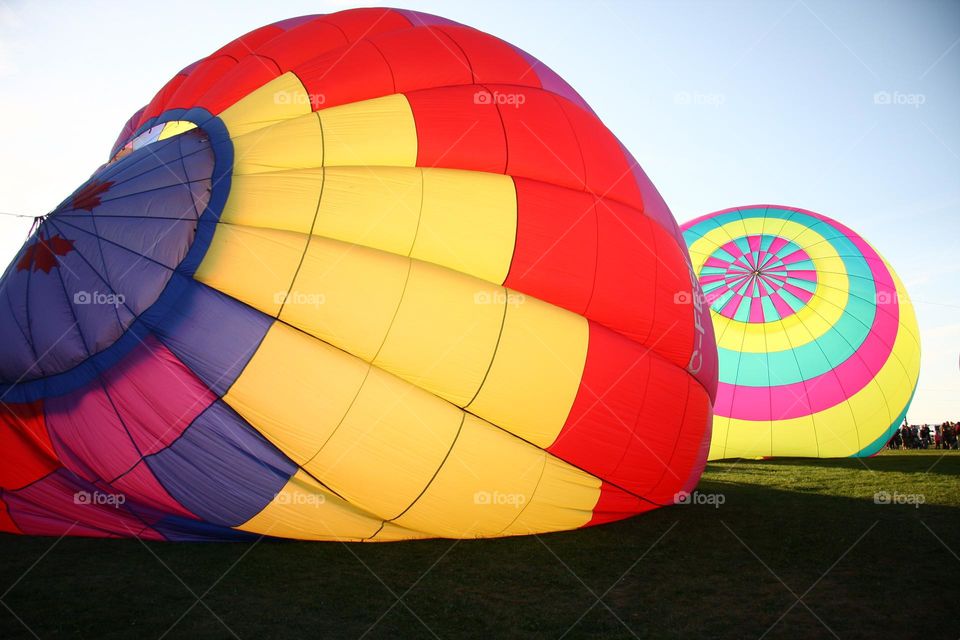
pixel 818 343
pixel 371 275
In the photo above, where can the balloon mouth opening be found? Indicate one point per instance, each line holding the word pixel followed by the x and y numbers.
pixel 154 134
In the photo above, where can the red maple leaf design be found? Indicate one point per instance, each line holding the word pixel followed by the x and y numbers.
pixel 88 197
pixel 43 253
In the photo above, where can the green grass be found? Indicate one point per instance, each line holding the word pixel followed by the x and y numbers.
pixel 787 528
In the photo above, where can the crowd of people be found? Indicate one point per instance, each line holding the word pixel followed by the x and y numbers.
pixel 926 436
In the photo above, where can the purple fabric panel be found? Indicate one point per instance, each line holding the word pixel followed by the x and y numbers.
pixel 143 487
pixel 54 334
pixel 653 204
pixel 419 19
pixel 221 468
pixel 293 23
pixel 62 502
pixel 127 132
pixel 213 334
pixel 552 82
pixel 156 395
pixel 16 357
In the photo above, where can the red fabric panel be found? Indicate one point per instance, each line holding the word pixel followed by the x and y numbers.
pixel 141 485
pixel 492 59
pixel 458 130
pixel 608 172
pixel 362 23
pixel 59 502
pixel 201 78
pixel 6 523
pixel 648 468
pixel 247 44
pixel 615 504
pixel 599 429
pixel 423 58
pixel 27 452
pixel 303 42
pixel 346 75
pixel 251 73
pixel 540 142
pixel 673 323
pixel 627 265
pixel 555 254
pixel 156 106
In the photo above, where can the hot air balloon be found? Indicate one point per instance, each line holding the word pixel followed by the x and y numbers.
pixel 818 343
pixel 371 275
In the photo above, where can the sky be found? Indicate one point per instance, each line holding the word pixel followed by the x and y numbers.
pixel 846 108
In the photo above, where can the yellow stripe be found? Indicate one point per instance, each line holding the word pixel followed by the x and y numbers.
pixel 388 446
pixel 283 98
pixel 536 372
pixel 291 144
pixel 304 510
pixel 487 487
pixel 371 132
pixel 175 128
pixel 296 389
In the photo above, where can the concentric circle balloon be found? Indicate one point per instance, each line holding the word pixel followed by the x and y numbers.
pixel 371 275
pixel 818 343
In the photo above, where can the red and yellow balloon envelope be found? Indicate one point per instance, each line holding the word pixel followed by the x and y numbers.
pixel 371 275
pixel 818 343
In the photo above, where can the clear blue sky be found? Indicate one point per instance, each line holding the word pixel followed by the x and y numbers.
pixel 723 104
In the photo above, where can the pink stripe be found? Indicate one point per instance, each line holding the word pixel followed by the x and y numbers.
pixel 716 262
pixel 711 278
pixel 803 294
pixel 781 306
pixel 753 242
pixel 733 303
pixel 756 310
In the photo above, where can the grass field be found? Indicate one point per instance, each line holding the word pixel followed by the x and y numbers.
pixel 797 549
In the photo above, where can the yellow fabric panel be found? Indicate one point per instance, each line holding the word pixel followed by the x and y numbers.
pixel 388 446
pixel 349 295
pixel 291 144
pixel 718 438
pixel 296 390
pixel 824 309
pixel 482 486
pixel 536 371
pixel 305 510
pixel 255 266
pixel 564 499
pixel 796 437
pixel 377 207
pixel 283 98
pixel 468 223
pixel 392 533
pixel 175 128
pixel 445 332
pixel 285 200
pixel 370 132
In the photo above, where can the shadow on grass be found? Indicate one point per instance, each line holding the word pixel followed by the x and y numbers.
pixel 685 571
